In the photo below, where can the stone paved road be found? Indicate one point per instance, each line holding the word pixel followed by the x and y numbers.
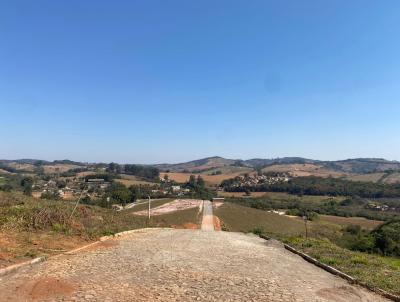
pixel 180 265
pixel 207 223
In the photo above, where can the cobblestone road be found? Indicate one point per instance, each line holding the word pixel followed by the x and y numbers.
pixel 207 223
pixel 180 265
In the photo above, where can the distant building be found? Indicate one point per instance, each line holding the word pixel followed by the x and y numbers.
pixel 176 188
pixel 96 180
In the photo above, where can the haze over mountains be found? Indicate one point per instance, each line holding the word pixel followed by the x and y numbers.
pixel 356 165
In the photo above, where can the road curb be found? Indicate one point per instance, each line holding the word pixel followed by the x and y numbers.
pixel 12 268
pixel 337 272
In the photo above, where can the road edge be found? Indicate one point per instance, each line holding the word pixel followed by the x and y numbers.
pixel 15 267
pixel 337 272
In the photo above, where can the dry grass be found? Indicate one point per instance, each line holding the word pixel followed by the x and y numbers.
pixel 129 180
pixel 58 168
pixel 25 167
pixel 209 179
pixel 392 178
pixel 86 173
pixel 229 170
pixel 31 228
pixel 372 177
pixel 299 170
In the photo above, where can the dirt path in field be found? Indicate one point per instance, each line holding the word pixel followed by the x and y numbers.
pixel 180 265
pixel 207 223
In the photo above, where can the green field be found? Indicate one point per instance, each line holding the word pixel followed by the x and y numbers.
pixel 178 219
pixel 237 218
pixel 367 224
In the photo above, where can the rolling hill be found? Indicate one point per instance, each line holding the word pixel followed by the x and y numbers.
pixel 353 166
pixel 358 169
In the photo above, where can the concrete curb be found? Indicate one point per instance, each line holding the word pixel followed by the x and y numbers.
pixel 314 261
pixel 12 268
pixel 337 272
pixel 15 267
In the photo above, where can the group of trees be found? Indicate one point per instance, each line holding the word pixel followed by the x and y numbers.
pixel 350 207
pixel 384 240
pixel 312 185
pixel 198 188
pixel 118 193
pixel 146 172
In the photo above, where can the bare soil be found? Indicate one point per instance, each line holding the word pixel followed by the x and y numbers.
pixel 44 288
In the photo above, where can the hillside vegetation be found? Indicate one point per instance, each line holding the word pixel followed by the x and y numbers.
pixel 30 227
pixel 328 240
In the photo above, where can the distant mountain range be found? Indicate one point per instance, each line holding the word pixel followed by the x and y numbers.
pixel 348 166
pixel 356 165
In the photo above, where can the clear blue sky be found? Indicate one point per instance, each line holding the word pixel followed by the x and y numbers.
pixel 169 81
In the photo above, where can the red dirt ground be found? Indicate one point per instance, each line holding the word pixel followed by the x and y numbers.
pixel 44 288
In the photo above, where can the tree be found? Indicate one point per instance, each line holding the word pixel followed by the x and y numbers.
pixel 119 193
pixel 135 193
pixel 26 184
pixel 200 182
pixel 387 238
pixel 192 182
pixel 114 168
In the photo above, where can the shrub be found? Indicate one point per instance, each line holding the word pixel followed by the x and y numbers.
pixel 257 231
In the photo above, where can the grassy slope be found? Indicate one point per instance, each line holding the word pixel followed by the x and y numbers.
pixel 392 178
pixel 31 227
pixel 238 218
pixel 130 180
pixel 373 177
pixel 345 221
pixel 178 219
pixel 181 177
pixel 376 271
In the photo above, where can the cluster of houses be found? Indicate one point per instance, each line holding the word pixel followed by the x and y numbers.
pixel 70 188
pixel 253 180
pixel 379 207
pixel 168 188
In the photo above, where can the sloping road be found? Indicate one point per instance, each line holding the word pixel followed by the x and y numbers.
pixel 180 265
pixel 207 223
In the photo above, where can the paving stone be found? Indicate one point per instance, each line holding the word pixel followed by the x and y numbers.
pixel 185 265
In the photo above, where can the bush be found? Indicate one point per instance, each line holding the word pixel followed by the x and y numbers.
pixel 257 231
pixel 387 238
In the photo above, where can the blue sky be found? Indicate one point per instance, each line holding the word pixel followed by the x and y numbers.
pixel 170 81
